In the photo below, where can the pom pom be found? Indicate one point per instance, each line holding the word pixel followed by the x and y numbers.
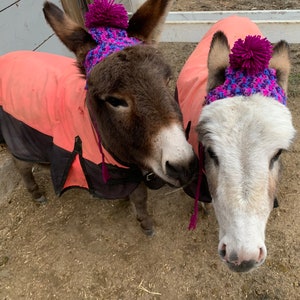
pixel 104 13
pixel 252 55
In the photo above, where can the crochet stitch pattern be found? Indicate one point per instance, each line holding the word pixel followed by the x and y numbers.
pixel 107 23
pixel 248 72
pixel 109 40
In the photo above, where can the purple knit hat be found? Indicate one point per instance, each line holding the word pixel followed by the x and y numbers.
pixel 248 72
pixel 107 23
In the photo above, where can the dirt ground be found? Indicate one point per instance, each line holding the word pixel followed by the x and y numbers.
pixel 78 247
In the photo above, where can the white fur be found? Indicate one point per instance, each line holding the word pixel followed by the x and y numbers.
pixel 170 145
pixel 244 133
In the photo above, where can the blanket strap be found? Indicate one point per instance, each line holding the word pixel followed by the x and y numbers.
pixel 194 217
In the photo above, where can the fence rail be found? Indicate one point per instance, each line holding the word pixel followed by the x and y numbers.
pixel 191 26
pixel 22 25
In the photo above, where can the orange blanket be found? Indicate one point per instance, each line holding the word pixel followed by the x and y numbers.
pixel 46 93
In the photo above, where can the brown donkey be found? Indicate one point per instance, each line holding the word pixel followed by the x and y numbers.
pixel 108 127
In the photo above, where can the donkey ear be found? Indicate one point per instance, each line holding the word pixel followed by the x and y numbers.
pixel 76 38
pixel 280 61
pixel 218 60
pixel 147 22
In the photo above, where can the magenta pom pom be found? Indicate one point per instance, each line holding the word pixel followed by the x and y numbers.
pixel 106 13
pixel 253 54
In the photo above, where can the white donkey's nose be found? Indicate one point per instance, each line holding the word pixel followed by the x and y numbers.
pixel 242 259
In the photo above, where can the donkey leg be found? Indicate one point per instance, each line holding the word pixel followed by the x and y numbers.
pixel 139 198
pixel 25 169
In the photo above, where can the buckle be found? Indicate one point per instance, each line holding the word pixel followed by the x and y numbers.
pixel 152 181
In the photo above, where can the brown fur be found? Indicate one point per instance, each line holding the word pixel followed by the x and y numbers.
pixel 130 103
pixel 71 34
pixel 147 22
pixel 124 86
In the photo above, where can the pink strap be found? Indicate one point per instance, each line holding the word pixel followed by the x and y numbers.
pixel 105 174
pixel 194 217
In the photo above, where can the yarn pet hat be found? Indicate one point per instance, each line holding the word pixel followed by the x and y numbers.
pixel 107 22
pixel 248 72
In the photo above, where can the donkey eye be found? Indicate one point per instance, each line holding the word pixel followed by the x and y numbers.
pixel 275 158
pixel 168 80
pixel 115 102
pixel 213 156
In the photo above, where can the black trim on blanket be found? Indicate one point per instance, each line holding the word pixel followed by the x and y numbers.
pixel 28 144
pixel 61 163
pixel 24 142
pixel 1 135
pixel 120 184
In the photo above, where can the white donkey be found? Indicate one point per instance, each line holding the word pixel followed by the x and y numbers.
pixel 242 135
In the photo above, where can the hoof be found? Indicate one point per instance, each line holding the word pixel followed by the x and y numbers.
pixel 41 200
pixel 147 226
pixel 206 207
pixel 148 232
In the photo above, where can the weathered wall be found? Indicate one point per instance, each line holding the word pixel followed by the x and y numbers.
pixel 23 27
pixel 22 24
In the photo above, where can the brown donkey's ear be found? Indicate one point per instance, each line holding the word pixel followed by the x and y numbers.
pixel 76 38
pixel 147 22
pixel 280 61
pixel 218 60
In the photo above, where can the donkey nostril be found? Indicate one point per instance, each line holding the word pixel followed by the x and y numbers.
pixel 222 251
pixel 172 170
pixel 177 172
pixel 261 256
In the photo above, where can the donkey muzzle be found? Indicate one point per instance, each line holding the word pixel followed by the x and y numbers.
pixel 182 173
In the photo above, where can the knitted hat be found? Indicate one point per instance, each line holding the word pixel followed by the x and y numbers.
pixel 107 23
pixel 248 72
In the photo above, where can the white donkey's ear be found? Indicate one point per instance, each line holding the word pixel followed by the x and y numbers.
pixel 218 60
pixel 280 61
pixel 147 22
